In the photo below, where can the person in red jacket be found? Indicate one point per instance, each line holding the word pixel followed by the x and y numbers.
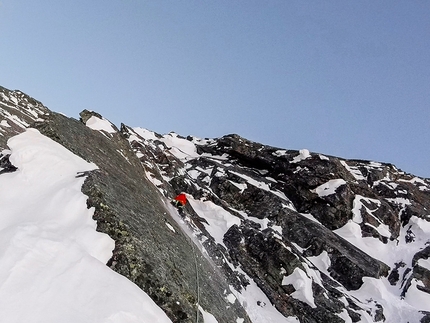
pixel 180 200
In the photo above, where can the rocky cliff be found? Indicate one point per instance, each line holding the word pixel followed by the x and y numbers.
pixel 267 235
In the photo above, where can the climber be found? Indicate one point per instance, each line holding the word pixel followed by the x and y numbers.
pixel 180 200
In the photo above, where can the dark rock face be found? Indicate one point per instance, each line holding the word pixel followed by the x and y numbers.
pixel 293 227
pixel 128 208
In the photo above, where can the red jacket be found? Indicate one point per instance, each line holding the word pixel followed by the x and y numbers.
pixel 181 198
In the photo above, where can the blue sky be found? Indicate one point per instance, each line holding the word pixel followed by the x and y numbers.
pixel 343 78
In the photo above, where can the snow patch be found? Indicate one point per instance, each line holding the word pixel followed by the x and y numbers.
pixel 231 298
pixel 395 309
pixel 170 227
pixel 145 134
pixel 4 123
pixel 257 305
pixel 329 188
pixel 181 148
pixel 263 186
pixel 417 298
pixel 96 123
pixel 207 317
pixel 219 220
pixel 303 154
pixel 303 286
pixel 344 316
pixel 322 262
pixel 425 263
pixel 279 153
pixel 354 171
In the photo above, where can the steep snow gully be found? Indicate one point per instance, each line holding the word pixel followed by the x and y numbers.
pixel 88 234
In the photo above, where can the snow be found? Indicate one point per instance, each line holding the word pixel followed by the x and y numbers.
pixel 194 173
pixel 351 232
pixel 171 228
pixel 180 147
pixel 14 119
pixel 279 153
pixel 4 123
pixel 257 305
pixel 416 298
pixel 302 285
pixel 423 186
pixel 96 123
pixel 152 179
pixel 303 154
pixel 344 316
pixel 240 186
pixel 354 171
pixel 359 204
pixel 14 99
pixel 314 274
pixel 425 263
pixel 207 317
pixel 329 188
pixel 399 200
pixel 219 220
pixel 261 185
pixel 145 134
pixel 53 260
pixel 231 298
pixel 395 309
pixel 322 262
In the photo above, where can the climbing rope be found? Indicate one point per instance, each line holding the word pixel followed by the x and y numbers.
pixel 197 271
pixel 197 280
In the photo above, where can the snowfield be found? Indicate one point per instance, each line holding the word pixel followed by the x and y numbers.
pixel 52 259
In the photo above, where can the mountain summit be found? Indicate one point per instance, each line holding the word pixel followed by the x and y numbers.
pixel 89 233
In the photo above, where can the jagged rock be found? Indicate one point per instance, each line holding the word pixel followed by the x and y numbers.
pixel 266 187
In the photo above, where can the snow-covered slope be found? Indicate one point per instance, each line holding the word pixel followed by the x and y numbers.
pixel 52 259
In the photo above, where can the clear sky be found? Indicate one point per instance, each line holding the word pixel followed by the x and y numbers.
pixel 343 78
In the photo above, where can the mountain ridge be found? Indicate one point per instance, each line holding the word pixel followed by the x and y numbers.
pixel 317 236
